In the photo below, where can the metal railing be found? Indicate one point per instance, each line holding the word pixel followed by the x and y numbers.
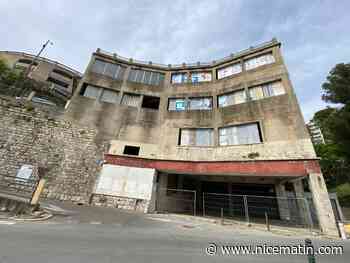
pixel 176 201
pixel 189 65
pixel 282 211
pixel 18 186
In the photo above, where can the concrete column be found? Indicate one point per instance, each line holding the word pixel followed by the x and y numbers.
pixel 161 202
pixel 302 203
pixel 180 181
pixel 282 201
pixel 322 204
pixel 230 199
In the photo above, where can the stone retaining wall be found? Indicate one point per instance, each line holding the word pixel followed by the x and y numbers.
pixel 66 154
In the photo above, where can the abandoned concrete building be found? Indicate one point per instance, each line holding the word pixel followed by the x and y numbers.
pixel 201 137
pixel 60 79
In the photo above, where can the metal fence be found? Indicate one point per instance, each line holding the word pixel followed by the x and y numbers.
pixel 176 201
pixel 17 186
pixel 282 211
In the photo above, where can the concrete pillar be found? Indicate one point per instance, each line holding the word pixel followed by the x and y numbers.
pixel 322 204
pixel 304 211
pixel 180 181
pixel 282 201
pixel 161 202
pixel 230 199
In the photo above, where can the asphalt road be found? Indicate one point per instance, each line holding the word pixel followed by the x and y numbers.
pixel 136 238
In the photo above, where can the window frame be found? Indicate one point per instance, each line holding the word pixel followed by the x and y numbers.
pixel 259 130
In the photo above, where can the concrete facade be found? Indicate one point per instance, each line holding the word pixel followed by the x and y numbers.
pixel 151 138
pixel 60 79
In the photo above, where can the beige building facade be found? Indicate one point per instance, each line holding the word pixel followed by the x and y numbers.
pixel 229 127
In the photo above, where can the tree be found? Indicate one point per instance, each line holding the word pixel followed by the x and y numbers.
pixel 337 86
pixel 337 90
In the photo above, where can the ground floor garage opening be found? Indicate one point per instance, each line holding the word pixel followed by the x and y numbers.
pixel 250 199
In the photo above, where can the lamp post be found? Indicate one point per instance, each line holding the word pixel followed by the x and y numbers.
pixel 29 69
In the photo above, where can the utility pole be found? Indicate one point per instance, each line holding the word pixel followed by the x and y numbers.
pixel 29 69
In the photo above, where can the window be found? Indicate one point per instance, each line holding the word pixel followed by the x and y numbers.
pixel 177 104
pixel 110 96
pixel 200 77
pixel 131 100
pixel 266 90
pixel 200 103
pixel 150 102
pixel 114 71
pixel 146 77
pixel 232 98
pixel 239 134
pixel 62 73
pixel 179 78
pixel 259 61
pixel 58 82
pixel 196 137
pixel 131 150
pixel 90 92
pixel 229 70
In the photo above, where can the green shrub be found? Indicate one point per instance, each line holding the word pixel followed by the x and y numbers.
pixel 343 193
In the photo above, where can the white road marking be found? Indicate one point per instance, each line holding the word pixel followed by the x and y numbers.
pixel 7 223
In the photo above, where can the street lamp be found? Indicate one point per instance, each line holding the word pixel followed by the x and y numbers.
pixel 29 69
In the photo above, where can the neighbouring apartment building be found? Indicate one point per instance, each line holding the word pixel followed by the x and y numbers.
pixel 60 79
pixel 315 133
pixel 229 127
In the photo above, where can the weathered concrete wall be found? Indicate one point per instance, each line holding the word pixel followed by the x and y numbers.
pixel 67 152
pixel 156 132
pixel 126 181
pixel 125 187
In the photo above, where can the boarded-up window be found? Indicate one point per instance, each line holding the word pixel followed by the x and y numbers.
pixel 229 70
pixel 196 137
pixel 131 99
pixel 114 71
pixel 267 90
pixel 179 78
pixel 91 92
pixel 259 61
pixel 200 76
pixel 232 98
pixel 201 103
pixel 177 104
pixel 110 96
pixel 240 134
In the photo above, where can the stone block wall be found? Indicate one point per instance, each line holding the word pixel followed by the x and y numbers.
pixel 66 154
pixel 120 202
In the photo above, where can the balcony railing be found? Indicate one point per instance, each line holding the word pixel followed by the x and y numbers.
pixel 189 65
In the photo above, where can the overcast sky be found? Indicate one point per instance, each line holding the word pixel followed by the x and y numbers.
pixel 315 34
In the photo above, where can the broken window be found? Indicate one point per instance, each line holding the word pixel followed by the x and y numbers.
pixel 240 134
pixel 114 71
pixel 232 98
pixel 196 137
pixel 132 100
pixel 131 150
pixel 201 103
pixel 177 78
pixel 91 92
pixel 146 77
pixel 229 70
pixel 150 102
pixel 177 104
pixel 259 61
pixel 266 90
pixel 110 96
